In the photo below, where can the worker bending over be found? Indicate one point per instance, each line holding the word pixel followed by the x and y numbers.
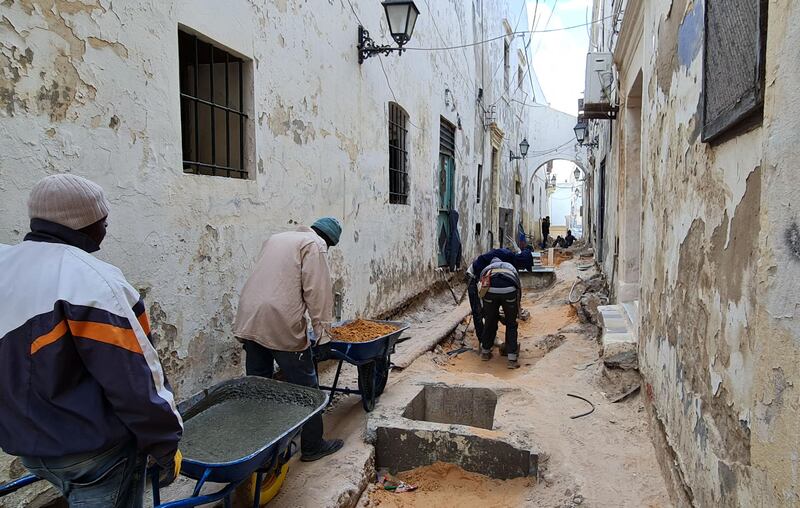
pixel 521 261
pixel 290 279
pixel 84 398
pixel 500 289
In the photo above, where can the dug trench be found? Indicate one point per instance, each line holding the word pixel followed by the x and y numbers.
pixel 469 433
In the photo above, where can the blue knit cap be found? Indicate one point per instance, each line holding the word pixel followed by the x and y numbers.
pixel 331 227
pixel 523 260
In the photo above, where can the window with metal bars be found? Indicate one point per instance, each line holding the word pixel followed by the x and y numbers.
pixel 398 155
pixel 506 65
pixel 447 138
pixel 734 63
pixel 480 181
pixel 213 120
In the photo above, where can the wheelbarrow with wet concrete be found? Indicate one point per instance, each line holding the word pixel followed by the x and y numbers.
pixel 241 430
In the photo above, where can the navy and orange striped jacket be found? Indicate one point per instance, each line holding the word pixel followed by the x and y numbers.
pixel 78 372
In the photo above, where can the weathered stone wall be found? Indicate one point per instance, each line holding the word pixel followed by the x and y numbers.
pixel 775 424
pixel 91 87
pixel 718 329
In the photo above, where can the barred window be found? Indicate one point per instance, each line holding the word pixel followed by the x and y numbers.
pixel 480 181
pixel 398 155
pixel 212 109
pixel 733 66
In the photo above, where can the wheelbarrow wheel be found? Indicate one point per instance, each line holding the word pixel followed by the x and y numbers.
pixel 367 384
pixel 270 486
pixel 382 375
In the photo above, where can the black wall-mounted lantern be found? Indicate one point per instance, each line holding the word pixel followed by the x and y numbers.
pixel 581 131
pixel 402 17
pixel 523 151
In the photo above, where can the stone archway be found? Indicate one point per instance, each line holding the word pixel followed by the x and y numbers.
pixel 538 197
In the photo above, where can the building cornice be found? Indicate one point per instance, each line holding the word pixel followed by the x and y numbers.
pixel 630 34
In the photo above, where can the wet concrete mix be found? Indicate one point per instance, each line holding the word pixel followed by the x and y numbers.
pixel 236 428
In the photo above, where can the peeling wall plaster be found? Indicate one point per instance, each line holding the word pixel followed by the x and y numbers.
pixel 718 332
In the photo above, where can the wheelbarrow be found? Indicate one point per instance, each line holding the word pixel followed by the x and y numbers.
pixel 372 359
pixel 264 461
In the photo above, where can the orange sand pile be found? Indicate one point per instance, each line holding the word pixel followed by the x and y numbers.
pixel 443 485
pixel 361 330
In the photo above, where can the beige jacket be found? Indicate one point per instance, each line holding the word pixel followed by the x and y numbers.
pixel 290 278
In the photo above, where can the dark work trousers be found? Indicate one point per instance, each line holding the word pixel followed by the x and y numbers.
pixel 492 303
pixel 475 305
pixel 298 368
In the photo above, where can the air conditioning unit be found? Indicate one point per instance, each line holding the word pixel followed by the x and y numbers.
pixel 597 97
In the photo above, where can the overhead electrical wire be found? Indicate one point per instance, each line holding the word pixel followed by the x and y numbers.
pixel 520 32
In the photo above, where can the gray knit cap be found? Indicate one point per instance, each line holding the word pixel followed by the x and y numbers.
pixel 69 200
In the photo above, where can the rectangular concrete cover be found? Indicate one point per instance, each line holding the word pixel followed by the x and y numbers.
pixel 402 450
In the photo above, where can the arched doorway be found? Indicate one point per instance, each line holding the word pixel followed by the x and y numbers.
pixel 554 190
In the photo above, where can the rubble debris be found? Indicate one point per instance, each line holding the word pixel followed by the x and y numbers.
pixel 627 394
pixel 550 342
pixel 361 330
pixel 393 484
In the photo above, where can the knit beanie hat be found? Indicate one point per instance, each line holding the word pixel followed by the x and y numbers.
pixel 331 227
pixel 69 200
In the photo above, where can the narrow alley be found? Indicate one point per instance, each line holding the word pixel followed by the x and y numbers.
pixel 399 253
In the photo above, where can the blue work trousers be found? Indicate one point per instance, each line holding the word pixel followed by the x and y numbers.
pixel 476 306
pixel 492 303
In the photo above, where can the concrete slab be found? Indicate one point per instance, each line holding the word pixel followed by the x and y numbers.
pixel 404 443
pixel 541 277
pixel 425 335
pixel 620 346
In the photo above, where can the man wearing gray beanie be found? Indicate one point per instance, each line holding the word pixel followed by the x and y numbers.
pixel 290 279
pixel 84 397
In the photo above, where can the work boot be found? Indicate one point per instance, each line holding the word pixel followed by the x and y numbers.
pixel 486 354
pixel 327 448
pixel 513 364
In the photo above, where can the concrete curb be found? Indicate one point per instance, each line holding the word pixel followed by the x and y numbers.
pixel 425 336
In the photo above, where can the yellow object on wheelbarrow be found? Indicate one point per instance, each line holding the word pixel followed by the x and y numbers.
pixel 270 485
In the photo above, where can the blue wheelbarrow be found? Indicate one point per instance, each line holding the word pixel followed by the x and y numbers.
pixel 373 359
pixel 261 459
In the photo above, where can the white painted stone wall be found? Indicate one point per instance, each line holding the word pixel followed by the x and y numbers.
pixel 91 87
pixel 719 261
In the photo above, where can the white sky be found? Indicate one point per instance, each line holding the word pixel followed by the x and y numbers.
pixel 559 57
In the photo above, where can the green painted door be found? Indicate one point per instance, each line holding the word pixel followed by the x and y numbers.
pixel 446 178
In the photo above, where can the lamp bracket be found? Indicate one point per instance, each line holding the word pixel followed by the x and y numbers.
pixel 367 47
pixel 512 157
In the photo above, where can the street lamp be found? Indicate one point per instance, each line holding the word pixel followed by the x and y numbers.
pixel 581 130
pixel 402 17
pixel 523 150
pixel 577 174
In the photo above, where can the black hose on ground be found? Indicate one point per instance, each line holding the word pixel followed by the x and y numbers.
pixel 585 400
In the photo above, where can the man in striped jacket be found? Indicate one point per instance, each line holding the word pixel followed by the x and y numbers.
pixel 501 289
pixel 84 398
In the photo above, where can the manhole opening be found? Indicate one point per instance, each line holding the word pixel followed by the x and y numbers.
pixel 453 405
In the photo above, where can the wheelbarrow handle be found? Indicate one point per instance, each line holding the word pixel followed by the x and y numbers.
pixel 13 486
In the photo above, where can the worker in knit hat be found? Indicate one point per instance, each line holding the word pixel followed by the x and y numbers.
pixel 84 397
pixel 72 202
pixel 290 280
